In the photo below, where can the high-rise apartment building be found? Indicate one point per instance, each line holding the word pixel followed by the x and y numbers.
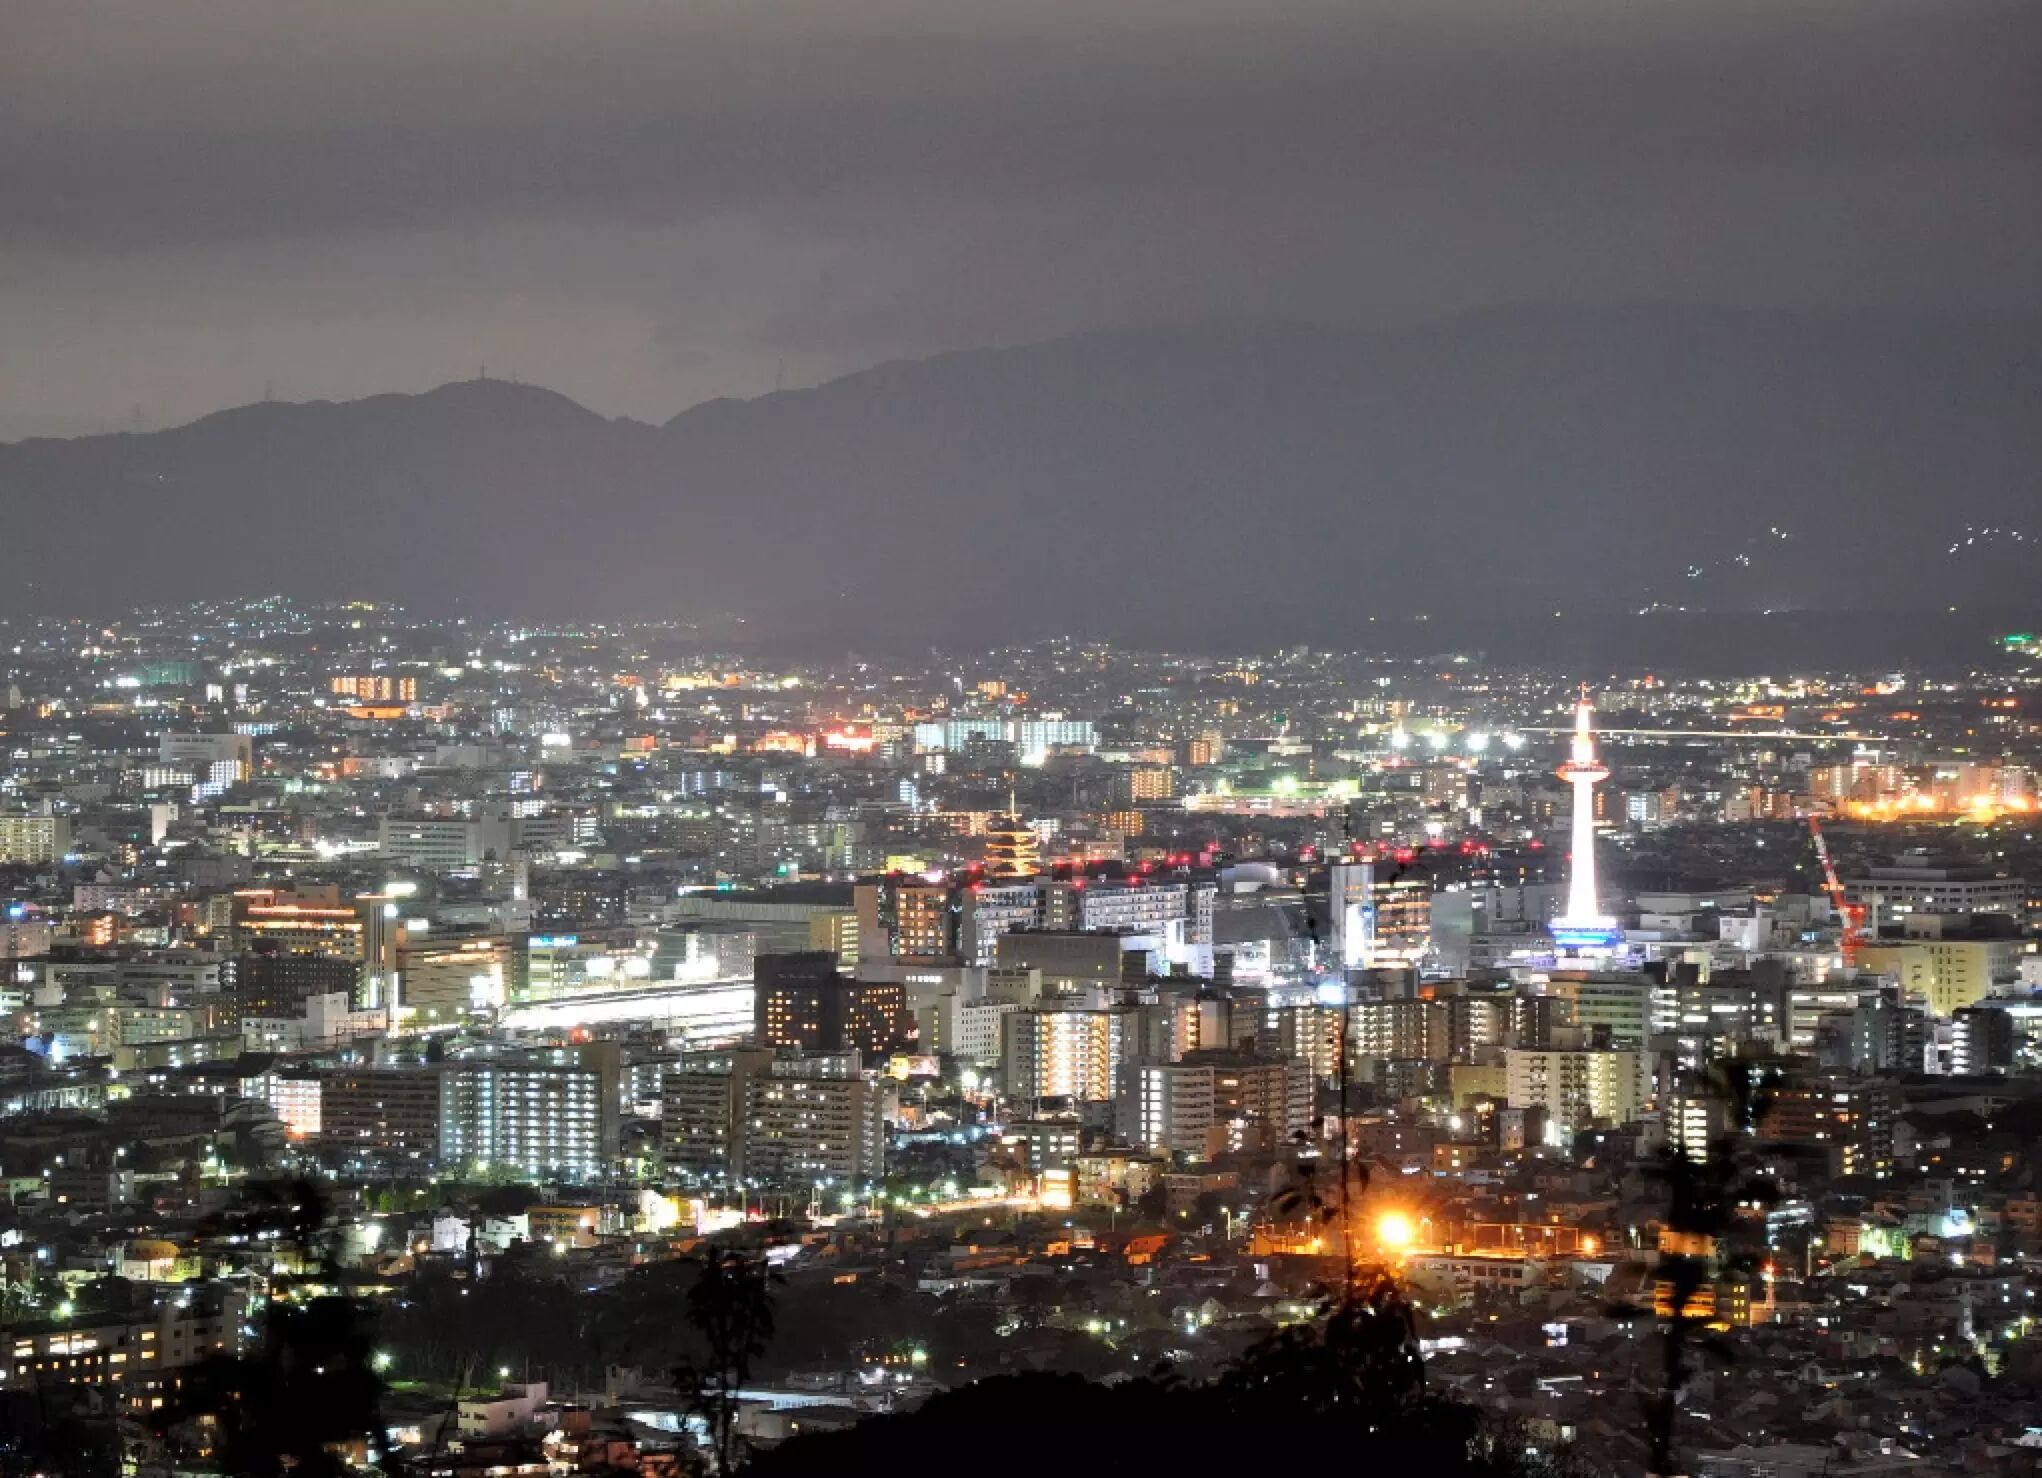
pixel 1400 1030
pixel 786 1119
pixel 809 1127
pixel 385 1119
pixel 1065 1054
pixel 1379 913
pixel 1217 1102
pixel 1848 1118
pixel 1133 905
pixel 1030 737
pixel 1616 1006
pixel 1578 1087
pixel 34 839
pixel 1982 1040
pixel 539 1118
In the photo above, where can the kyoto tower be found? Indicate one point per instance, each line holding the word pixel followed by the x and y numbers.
pixel 1582 926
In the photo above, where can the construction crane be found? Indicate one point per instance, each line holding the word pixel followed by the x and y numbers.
pixel 1852 914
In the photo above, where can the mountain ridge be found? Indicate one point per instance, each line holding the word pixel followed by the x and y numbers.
pixel 2025 323
pixel 1196 478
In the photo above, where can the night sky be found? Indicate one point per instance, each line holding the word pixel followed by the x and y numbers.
pixel 648 204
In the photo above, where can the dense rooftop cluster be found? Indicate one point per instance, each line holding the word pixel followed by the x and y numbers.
pixel 476 986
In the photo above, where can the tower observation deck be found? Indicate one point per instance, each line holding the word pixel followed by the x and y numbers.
pixel 1583 927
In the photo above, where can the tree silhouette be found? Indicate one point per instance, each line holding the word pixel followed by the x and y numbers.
pixel 58 1429
pixel 307 1393
pixel 309 1389
pixel 731 1307
pixel 1702 1242
pixel 1358 1362
pixel 1349 1383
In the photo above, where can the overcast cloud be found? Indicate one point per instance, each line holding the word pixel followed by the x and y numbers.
pixel 645 203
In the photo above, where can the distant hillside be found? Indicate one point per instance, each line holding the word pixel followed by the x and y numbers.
pixel 1202 484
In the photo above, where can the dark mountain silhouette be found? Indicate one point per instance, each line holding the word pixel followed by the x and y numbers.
pixel 1196 485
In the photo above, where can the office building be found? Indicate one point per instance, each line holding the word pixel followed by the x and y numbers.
pixel 439 844
pixel 914 921
pixel 445 979
pixel 1948 961
pixel 207 753
pixel 307 920
pixel 1921 883
pixel 780 925
pixel 276 982
pixel 803 1002
pixel 1074 962
pixel 583 964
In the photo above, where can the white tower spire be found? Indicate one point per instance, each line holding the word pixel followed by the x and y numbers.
pixel 1583 924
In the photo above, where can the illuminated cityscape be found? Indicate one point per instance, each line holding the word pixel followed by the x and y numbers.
pixel 817 737
pixel 967 984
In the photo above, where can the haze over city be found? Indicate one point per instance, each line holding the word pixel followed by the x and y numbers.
pixel 647 206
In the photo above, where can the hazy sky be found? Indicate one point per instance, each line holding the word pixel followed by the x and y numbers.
pixel 645 203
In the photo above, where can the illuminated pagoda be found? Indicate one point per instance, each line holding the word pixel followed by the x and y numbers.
pixel 1011 845
pixel 1582 927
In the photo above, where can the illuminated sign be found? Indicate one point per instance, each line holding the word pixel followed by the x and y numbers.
pixel 1587 936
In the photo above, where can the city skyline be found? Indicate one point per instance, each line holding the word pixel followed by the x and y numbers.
pixel 999 1001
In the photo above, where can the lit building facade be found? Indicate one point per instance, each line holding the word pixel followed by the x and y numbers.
pixel 1578 1087
pixel 535 1118
pixel 1064 1054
